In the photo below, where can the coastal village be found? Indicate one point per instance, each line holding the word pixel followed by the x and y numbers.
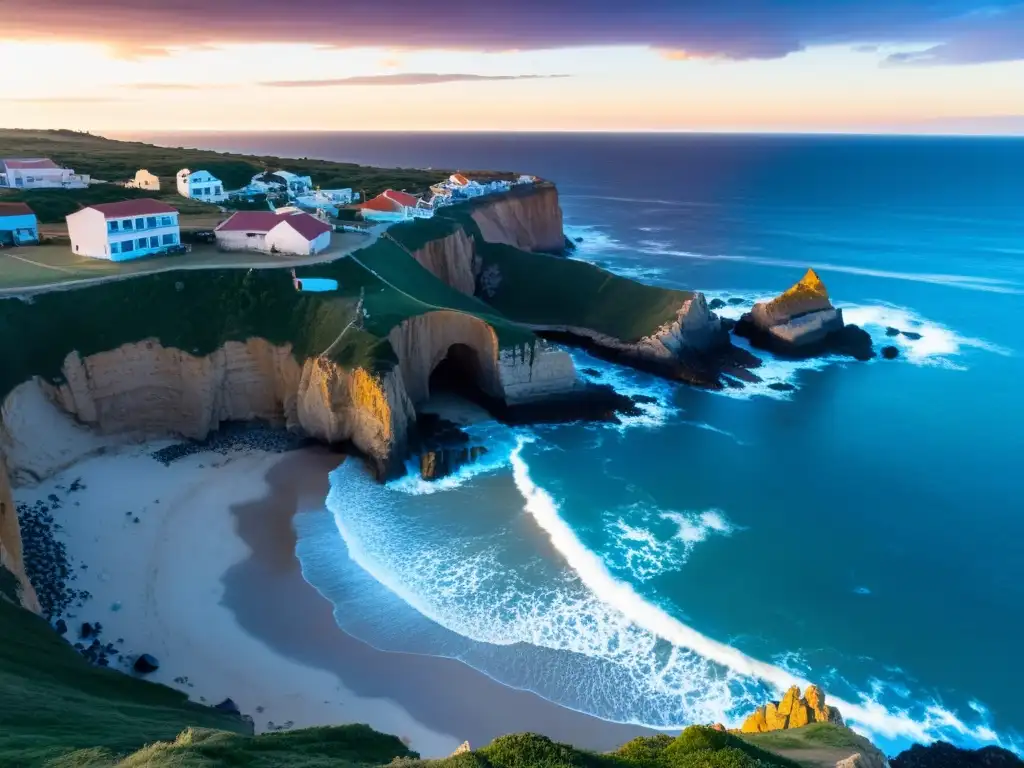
pixel 278 213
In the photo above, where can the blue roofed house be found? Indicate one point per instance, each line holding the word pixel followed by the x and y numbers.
pixel 18 224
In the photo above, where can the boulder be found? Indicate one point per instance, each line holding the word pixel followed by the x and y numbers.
pixel 61 627
pixel 791 697
pixel 911 335
pixel 801 322
pixel 145 664
pixel 87 630
pixel 756 723
pixel 890 353
pixel 890 331
pixel 462 749
pixel 716 304
pixel 801 715
pixel 774 720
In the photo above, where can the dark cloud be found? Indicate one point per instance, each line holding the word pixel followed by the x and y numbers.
pixel 411 78
pixel 958 31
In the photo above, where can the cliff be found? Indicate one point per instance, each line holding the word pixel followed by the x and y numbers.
pixel 528 222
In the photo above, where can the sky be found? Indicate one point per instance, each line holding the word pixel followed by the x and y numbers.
pixel 904 66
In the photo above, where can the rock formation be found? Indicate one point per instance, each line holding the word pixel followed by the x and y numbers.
pixel 530 222
pixel 803 323
pixel 943 755
pixel 794 711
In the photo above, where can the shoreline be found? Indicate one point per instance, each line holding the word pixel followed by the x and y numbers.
pixel 208 582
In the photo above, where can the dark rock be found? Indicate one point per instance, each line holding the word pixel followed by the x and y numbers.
pixel 728 324
pixel 735 301
pixel 943 755
pixel 87 630
pixel 852 341
pixel 145 664
pixel 781 386
pixel 579 239
pixel 716 304
pixel 646 399
pixel 61 627
pixel 228 706
pixel 591 372
pixel 890 353
pixel 890 331
pixel 911 335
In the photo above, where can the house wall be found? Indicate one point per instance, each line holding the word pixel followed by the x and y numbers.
pixel 45 178
pixel 22 228
pixel 87 229
pixel 240 241
pixel 144 180
pixel 287 240
pixel 91 235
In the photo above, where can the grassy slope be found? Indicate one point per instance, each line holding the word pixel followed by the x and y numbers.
pixel 52 702
pixel 119 160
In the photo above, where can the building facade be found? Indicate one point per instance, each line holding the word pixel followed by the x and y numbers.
pixel 125 230
pixel 201 185
pixel 18 225
pixel 39 173
pixel 285 232
pixel 144 180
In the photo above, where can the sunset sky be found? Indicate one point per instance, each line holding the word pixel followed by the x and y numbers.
pixel 732 65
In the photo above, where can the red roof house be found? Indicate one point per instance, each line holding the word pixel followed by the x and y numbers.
pixel 288 232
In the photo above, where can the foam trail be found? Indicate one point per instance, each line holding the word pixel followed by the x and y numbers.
pixel 592 571
pixel 969 282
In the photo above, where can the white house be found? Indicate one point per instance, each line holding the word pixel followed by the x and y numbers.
pixel 39 173
pixel 144 180
pixel 201 185
pixel 395 206
pixel 124 230
pixel 293 183
pixel 286 231
pixel 18 224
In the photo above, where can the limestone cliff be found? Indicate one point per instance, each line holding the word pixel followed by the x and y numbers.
pixel 450 259
pixel 530 222
pixel 10 542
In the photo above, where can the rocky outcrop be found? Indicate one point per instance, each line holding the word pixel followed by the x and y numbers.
pixel 530 222
pixel 803 323
pixel 794 711
pixel 864 760
pixel 943 755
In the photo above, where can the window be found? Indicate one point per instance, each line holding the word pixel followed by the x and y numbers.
pixel 140 223
pixel 143 242
pixel 113 248
pixel 218 191
pixel 127 246
pixel 113 226
pixel 154 242
pixel 206 191
pixel 150 222
pixel 127 225
pixel 166 221
pixel 168 239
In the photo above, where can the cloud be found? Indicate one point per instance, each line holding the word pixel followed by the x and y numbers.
pixel 61 100
pixel 953 31
pixel 174 86
pixel 409 78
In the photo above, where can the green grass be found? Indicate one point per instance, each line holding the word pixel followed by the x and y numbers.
pixel 809 737
pixel 575 293
pixel 112 160
pixel 51 206
pixel 52 702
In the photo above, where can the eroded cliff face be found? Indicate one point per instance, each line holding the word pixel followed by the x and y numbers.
pixel 529 222
pixel 450 259
pixel 10 542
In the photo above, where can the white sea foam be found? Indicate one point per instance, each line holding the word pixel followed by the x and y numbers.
pixel 869 715
pixel 631 383
pixel 968 282
pixel 646 541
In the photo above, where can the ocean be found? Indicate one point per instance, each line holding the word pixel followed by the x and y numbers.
pixel 863 531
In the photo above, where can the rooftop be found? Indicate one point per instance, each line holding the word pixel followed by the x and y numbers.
pixel 15 209
pixel 30 163
pixel 264 221
pixel 124 208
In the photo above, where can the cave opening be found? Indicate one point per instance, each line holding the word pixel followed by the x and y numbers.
pixel 460 376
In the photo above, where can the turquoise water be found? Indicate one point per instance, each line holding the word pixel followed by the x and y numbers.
pixel 863 531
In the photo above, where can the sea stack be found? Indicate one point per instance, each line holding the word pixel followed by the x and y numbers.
pixel 803 323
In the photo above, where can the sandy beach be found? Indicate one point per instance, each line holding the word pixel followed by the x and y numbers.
pixel 207 581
